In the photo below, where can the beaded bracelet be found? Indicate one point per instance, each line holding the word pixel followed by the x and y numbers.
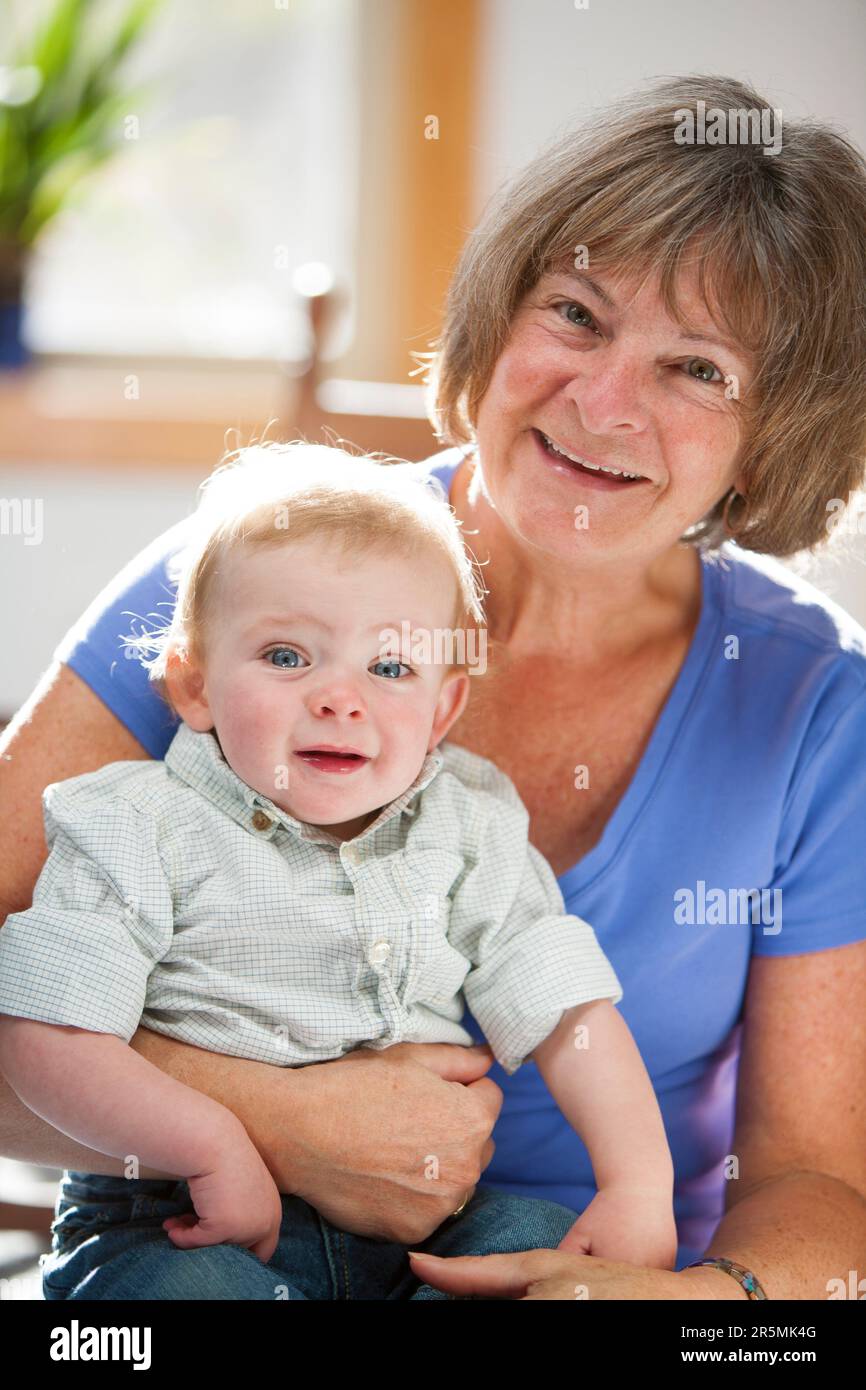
pixel 745 1277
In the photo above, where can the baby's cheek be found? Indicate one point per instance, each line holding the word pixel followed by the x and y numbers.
pixel 409 724
pixel 255 734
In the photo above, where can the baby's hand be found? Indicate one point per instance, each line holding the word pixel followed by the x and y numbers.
pixel 627 1224
pixel 236 1202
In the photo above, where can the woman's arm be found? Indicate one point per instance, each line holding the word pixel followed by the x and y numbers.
pixel 796 1211
pixel 350 1136
pixel 353 1136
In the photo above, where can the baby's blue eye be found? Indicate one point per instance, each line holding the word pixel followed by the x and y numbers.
pixel 284 651
pixel 392 675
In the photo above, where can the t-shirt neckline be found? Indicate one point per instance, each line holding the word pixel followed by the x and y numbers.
pixel 669 724
pixel 606 851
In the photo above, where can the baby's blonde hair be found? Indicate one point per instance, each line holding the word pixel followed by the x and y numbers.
pixel 269 494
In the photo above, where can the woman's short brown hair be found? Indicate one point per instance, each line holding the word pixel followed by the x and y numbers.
pixel 780 245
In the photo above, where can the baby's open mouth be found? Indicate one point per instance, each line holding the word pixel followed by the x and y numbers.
pixel 329 753
pixel 332 759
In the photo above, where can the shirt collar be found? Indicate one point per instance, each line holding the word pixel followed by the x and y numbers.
pixel 197 759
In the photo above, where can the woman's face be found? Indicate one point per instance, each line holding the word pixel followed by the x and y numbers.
pixel 598 368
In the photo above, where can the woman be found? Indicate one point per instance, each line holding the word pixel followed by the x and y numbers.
pixel 685 725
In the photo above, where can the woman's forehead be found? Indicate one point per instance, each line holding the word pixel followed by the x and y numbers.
pixel 615 280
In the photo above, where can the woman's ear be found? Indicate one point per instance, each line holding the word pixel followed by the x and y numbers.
pixel 184 683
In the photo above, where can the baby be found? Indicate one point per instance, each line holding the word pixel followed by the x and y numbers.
pixel 312 869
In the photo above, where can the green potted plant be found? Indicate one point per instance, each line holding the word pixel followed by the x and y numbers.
pixel 61 115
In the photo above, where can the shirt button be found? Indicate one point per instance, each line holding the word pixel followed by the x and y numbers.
pixel 261 821
pixel 379 952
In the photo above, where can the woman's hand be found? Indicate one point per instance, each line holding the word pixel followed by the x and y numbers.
pixel 389 1143
pixel 556 1274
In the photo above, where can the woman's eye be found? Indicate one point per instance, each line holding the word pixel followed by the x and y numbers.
pixel 284 651
pixel 392 668
pixel 576 314
pixel 705 370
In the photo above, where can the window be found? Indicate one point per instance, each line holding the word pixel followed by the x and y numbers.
pixel 237 167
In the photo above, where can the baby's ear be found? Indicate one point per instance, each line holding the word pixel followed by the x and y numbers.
pixel 450 705
pixel 184 683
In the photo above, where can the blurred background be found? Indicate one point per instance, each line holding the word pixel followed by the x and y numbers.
pixel 225 217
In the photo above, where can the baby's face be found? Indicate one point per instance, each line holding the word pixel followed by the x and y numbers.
pixel 295 662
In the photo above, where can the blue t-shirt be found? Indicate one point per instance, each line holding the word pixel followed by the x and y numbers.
pixel 754 780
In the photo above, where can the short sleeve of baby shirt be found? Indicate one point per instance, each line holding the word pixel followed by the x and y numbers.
pixel 531 959
pixel 100 919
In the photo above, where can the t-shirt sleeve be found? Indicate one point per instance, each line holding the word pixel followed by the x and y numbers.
pixel 818 895
pixel 140 598
pixel 530 958
pixel 101 918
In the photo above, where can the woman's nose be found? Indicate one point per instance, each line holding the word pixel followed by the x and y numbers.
pixel 610 392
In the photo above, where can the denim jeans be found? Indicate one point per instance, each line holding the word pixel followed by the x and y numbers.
pixel 108 1243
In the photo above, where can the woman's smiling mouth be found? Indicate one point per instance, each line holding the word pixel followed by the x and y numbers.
pixel 601 474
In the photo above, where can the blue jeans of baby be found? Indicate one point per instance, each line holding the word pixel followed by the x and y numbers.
pixel 108 1242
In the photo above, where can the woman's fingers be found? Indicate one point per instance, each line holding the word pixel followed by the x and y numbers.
pixel 451 1061
pixel 505 1276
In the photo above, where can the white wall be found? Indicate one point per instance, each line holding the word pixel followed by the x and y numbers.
pixel 93 522
pixel 549 63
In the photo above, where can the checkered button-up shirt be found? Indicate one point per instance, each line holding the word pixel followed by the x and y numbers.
pixel 178 897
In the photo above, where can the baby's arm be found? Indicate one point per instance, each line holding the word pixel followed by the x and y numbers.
pixel 595 1073
pixel 536 970
pixel 95 1088
pixel 98 1090
pixel 74 969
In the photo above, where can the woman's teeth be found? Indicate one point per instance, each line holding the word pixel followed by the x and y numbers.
pixel 592 467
